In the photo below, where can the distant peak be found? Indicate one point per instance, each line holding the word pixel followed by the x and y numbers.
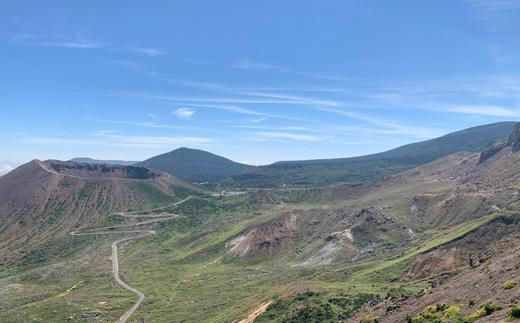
pixel 184 149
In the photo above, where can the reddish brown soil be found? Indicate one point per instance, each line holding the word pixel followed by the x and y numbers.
pixel 498 261
pixel 264 239
pixel 40 201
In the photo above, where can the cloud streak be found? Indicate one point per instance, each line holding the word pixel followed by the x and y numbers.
pixel 145 124
pixel 80 42
pixel 6 166
pixel 261 135
pixel 247 64
pixel 390 127
pixel 494 15
pixel 114 140
pixel 184 113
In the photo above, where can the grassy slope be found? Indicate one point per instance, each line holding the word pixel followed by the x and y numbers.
pixel 186 274
pixel 390 269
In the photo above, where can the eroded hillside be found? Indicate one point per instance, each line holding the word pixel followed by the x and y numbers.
pixel 44 200
pixel 439 240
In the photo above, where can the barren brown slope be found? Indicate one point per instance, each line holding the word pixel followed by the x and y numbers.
pixel 467 273
pixel 417 203
pixel 448 191
pixel 46 199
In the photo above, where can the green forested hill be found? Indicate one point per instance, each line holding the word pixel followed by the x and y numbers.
pixel 371 167
pixel 195 165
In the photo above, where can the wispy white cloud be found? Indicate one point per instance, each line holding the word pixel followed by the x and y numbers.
pixel 8 165
pixel 483 110
pixel 261 135
pixel 145 124
pixel 245 111
pixel 125 63
pixel 278 128
pixel 57 141
pixel 442 103
pixel 321 76
pixel 254 98
pixel 214 86
pixel 198 85
pixel 232 100
pixel 490 96
pixel 249 64
pixel 295 99
pixel 495 14
pixel 157 141
pixel 153 116
pixel 81 42
pixel 184 113
pixel 115 140
pixel 75 42
pixel 227 104
pixel 145 51
pixel 256 120
pixel 389 127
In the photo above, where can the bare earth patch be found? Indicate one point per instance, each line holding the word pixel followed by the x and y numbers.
pixel 256 313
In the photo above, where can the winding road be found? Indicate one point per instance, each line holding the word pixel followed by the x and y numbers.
pixel 158 217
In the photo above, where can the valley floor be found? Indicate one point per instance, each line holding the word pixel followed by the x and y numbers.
pixel 187 273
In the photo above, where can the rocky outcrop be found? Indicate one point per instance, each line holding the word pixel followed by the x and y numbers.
pixel 491 151
pixel 514 139
pixel 264 239
pixel 470 250
pixel 372 226
pixel 99 170
pixel 433 263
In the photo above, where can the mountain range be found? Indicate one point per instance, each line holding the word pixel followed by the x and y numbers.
pixel 200 166
pixel 427 232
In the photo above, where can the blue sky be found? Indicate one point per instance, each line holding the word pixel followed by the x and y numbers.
pixel 255 81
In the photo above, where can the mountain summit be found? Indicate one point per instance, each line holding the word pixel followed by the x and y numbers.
pixel 43 200
pixel 196 165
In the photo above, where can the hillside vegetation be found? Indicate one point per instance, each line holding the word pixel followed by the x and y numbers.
pixel 435 243
pixel 195 165
pixel 41 201
pixel 371 167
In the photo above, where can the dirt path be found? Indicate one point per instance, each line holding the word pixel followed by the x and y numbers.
pixel 139 234
pixel 256 313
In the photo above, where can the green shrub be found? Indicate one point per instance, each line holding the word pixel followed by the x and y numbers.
pixel 486 310
pixel 490 308
pixel 397 293
pixel 369 319
pixel 440 307
pixel 471 302
pixel 452 311
pixel 509 284
pixel 314 307
pixel 441 313
pixel 515 312
pixel 464 319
